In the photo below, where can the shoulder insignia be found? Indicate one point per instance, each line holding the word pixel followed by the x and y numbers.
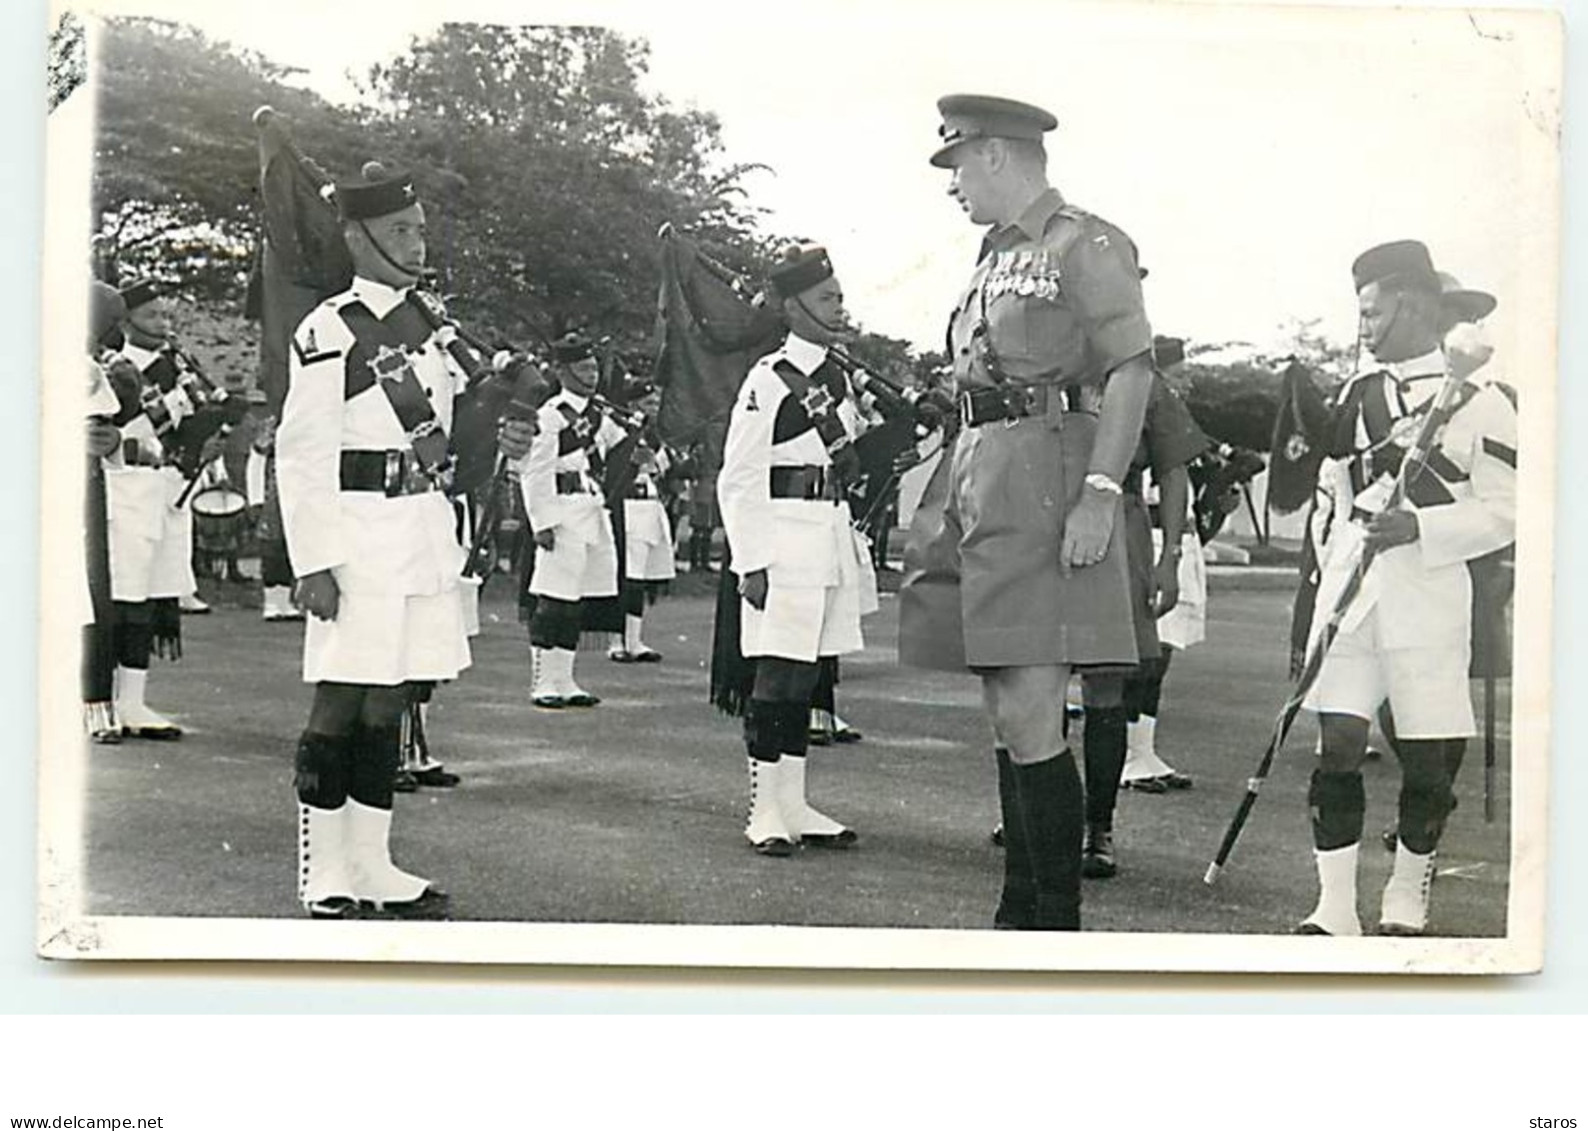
pixel 750 405
pixel 309 351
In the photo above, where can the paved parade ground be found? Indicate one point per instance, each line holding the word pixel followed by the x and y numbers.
pixel 633 811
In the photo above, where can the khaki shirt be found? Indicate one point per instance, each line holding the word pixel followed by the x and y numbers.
pixel 1055 299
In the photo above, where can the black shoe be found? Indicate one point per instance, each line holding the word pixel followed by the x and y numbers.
pixel 405 782
pixel 432 903
pixel 335 907
pixel 549 702
pixel 437 778
pixel 1146 785
pixel 777 846
pixel 581 699
pixel 171 733
pixel 830 840
pixel 847 734
pixel 820 736
pixel 1097 853
pixel 1312 929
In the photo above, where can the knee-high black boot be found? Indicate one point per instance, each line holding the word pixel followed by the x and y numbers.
pixel 1017 906
pixel 1053 813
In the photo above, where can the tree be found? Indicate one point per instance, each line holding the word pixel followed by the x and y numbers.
pixel 66 65
pixel 176 164
pixel 551 173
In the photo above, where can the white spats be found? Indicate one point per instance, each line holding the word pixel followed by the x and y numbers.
pixel 1336 910
pixel 798 817
pixel 134 713
pixel 765 828
pixel 1141 754
pixel 1405 907
pixel 373 876
pixel 322 856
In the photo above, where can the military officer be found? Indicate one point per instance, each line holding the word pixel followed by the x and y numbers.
pixel 786 467
pixel 575 552
pixel 1405 638
pixel 1016 566
pixel 362 462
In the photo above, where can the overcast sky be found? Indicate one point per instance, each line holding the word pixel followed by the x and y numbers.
pixel 1251 153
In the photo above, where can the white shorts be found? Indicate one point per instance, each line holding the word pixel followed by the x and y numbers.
pixel 806 622
pixel 1426 688
pixel 389 638
pixel 575 567
pixel 647 542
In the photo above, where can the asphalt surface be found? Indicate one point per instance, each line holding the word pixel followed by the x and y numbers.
pixel 632 812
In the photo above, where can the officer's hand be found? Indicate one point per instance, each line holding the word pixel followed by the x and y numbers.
pixel 1088 529
pixel 546 539
pixel 1390 529
pixel 103 437
pixel 753 589
pixel 1166 585
pixel 318 595
pixel 514 437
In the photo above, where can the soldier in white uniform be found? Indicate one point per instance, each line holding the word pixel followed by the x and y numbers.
pixel 648 557
pixel 1405 639
pixel 362 462
pixel 164 423
pixel 788 461
pixel 575 553
pixel 102 438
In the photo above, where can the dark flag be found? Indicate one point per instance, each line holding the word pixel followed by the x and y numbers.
pixel 1300 431
pixel 302 257
pixel 711 334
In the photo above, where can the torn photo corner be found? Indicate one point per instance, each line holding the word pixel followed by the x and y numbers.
pixel 304 698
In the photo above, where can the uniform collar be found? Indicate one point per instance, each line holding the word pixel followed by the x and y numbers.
pixel 1430 364
pixel 1033 222
pixel 379 297
pixel 806 355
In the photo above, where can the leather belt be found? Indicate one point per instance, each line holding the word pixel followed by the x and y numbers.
pixel 804 482
pixel 573 483
pixel 392 473
pixel 1004 402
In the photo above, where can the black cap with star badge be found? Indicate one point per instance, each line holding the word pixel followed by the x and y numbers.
pixel 1405 261
pixel 140 293
pixel 800 269
pixel 379 194
pixel 967 117
pixel 572 347
pixel 1167 351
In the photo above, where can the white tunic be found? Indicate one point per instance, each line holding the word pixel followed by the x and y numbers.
pixel 1420 594
pixel 151 539
pixel 396 561
pixel 583 559
pixel 818 572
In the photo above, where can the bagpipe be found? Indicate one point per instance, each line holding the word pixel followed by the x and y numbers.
pixel 216 413
pixel 1449 398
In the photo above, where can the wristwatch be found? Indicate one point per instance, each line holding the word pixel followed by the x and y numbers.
pixel 1097 481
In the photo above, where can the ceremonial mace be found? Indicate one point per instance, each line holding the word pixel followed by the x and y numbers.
pixel 1445 404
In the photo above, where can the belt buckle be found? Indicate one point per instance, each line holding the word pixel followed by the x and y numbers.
pixel 391 481
pixel 1016 405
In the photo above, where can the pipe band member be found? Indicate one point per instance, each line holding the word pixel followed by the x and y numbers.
pixel 363 463
pixel 800 565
